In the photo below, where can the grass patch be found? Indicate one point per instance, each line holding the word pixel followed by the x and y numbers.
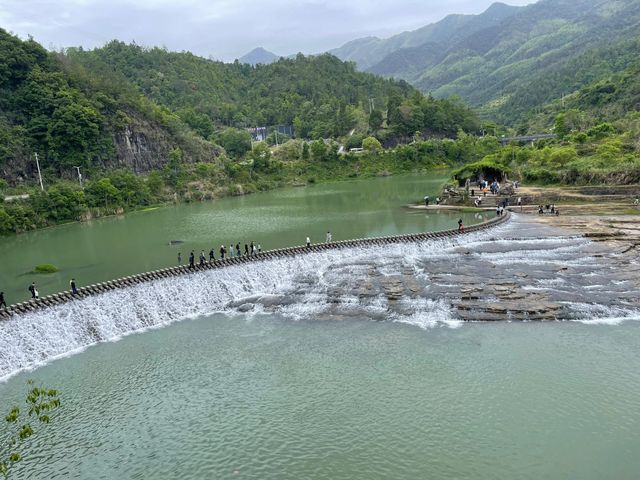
pixel 45 268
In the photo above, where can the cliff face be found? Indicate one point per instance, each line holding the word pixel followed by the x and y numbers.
pixel 143 146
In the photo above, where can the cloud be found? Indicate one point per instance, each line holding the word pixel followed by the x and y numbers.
pixel 223 29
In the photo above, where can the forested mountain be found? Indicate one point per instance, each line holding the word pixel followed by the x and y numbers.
pixel 320 96
pixel 612 99
pixel 127 106
pixel 258 56
pixel 370 51
pixel 510 60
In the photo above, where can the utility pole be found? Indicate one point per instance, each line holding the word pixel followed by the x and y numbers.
pixel 39 174
pixel 79 176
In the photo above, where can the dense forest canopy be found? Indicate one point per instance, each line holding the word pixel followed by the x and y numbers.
pixel 320 96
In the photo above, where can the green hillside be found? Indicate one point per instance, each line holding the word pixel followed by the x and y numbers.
pixel 510 60
pixel 147 126
pixel 72 118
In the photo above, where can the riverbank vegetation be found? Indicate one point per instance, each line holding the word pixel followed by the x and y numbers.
pixel 295 162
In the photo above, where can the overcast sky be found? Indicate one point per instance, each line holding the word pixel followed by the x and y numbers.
pixel 224 29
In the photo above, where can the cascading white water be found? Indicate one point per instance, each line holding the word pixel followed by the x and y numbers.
pixel 407 283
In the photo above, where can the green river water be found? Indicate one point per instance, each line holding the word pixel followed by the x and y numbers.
pixel 113 247
pixel 300 394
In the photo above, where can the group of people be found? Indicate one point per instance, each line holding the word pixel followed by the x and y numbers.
pixel 427 200
pixel 548 209
pixel 250 249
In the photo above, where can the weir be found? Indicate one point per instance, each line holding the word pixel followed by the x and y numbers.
pixel 124 282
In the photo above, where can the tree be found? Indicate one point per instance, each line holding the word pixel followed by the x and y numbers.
pixel 155 183
pixel 41 402
pixel 318 150
pixel 305 151
pixel 261 155
pixel 371 144
pixel 236 142
pixel 103 191
pixel 375 120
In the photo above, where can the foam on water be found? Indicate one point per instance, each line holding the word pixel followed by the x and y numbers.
pixel 31 340
pixel 317 286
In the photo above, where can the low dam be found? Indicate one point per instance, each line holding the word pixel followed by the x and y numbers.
pixel 99 288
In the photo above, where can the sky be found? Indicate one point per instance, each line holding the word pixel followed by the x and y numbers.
pixel 224 29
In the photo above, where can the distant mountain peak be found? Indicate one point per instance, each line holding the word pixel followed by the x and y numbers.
pixel 259 56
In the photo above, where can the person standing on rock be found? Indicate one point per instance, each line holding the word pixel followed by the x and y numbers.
pixel 32 289
pixel 426 200
pixel 2 302
pixel 192 260
pixel 520 203
pixel 74 289
pixel 308 242
pixel 460 226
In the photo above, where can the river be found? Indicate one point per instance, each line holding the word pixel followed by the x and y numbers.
pixel 113 247
pixel 349 364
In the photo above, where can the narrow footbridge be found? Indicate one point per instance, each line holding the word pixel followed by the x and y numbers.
pixel 124 282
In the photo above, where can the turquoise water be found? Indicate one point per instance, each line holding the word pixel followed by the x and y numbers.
pixel 262 397
pixel 328 375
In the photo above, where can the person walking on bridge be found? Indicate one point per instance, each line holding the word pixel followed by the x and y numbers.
pixel 32 289
pixel 202 258
pixel 246 250
pixel 74 289
pixel 308 242
pixel 179 258
pixel 238 251
pixel 212 257
pixel 426 200
pixel 460 226
pixel 192 259
pixel 222 252
pixel 2 302
pixel 329 238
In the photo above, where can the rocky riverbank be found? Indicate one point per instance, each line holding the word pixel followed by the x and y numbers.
pixel 532 269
